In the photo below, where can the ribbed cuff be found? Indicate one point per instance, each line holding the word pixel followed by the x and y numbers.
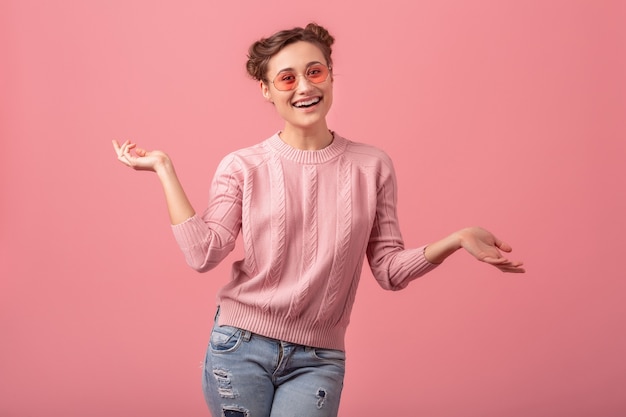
pixel 190 232
pixel 414 264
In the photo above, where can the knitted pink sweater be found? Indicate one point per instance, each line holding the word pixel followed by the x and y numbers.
pixel 307 219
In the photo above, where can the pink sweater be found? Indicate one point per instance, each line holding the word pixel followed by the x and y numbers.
pixel 307 219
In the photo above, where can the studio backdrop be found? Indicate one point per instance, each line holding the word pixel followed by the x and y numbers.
pixel 504 114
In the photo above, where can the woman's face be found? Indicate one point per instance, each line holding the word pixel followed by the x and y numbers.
pixel 305 106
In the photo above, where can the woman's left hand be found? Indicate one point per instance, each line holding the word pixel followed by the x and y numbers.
pixel 485 247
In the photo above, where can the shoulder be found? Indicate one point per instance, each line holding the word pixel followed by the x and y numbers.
pixel 245 159
pixel 368 155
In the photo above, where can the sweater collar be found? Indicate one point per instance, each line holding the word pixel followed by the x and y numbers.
pixel 337 147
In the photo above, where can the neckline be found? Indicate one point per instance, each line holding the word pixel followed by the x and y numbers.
pixel 334 149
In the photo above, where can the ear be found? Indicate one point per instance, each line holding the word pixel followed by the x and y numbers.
pixel 265 90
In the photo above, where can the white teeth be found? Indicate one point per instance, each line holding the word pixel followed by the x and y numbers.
pixel 307 102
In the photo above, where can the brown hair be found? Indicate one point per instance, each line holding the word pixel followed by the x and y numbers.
pixel 262 50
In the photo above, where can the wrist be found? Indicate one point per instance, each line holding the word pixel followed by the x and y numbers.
pixel 164 167
pixel 438 251
pixel 464 235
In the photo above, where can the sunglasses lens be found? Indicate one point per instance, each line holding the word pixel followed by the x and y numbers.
pixel 288 80
pixel 285 81
pixel 317 73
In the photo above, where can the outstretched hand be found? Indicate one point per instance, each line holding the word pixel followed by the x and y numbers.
pixel 137 158
pixel 142 160
pixel 485 247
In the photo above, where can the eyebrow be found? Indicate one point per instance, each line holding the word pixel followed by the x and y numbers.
pixel 292 69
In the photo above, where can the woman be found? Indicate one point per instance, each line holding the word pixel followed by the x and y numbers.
pixel 309 204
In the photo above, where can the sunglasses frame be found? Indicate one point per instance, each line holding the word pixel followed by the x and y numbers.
pixel 295 84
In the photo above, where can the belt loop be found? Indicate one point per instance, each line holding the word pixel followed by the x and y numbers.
pixel 247 335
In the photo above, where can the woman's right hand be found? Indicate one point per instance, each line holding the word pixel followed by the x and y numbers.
pixel 140 159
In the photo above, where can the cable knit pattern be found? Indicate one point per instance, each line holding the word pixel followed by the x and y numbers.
pixel 249 259
pixel 307 219
pixel 342 241
pixel 278 236
pixel 309 237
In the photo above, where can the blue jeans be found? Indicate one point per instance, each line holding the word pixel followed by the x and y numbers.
pixel 247 375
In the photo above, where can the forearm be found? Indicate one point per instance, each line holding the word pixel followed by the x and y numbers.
pixel 178 204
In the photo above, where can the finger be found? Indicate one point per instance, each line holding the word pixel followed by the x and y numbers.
pixel 511 266
pixel 124 160
pixel 119 148
pixel 124 153
pixel 514 270
pixel 503 246
pixel 126 148
pixel 495 261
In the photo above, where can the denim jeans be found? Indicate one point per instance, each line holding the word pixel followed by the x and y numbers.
pixel 247 375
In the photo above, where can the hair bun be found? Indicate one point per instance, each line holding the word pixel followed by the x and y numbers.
pixel 321 33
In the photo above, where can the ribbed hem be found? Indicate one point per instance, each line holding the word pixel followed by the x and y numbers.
pixel 301 331
pixel 336 148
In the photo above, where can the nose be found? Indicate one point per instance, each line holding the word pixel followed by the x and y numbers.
pixel 303 84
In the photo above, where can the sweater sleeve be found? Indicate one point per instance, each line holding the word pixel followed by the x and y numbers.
pixel 393 266
pixel 207 239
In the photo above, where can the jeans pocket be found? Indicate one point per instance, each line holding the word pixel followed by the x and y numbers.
pixel 329 354
pixel 225 339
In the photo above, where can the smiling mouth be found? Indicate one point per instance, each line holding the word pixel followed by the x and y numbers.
pixel 307 103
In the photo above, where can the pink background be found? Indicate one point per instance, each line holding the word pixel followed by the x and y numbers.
pixel 507 114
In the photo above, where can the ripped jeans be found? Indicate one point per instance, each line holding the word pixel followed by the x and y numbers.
pixel 247 375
